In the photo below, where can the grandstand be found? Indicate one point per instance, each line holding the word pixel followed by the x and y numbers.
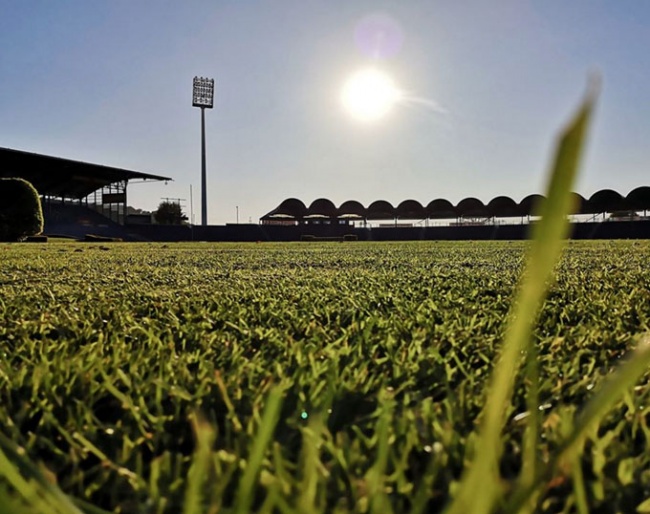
pixel 604 205
pixel 78 198
pixel 604 215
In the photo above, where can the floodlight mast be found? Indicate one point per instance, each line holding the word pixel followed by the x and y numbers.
pixel 203 96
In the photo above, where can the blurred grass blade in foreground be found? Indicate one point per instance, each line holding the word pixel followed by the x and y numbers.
pixel 270 418
pixel 28 481
pixel 611 391
pixel 479 489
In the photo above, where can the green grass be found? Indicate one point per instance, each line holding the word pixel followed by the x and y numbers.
pixel 118 368
pixel 330 378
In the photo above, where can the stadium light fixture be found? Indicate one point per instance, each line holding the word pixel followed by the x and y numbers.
pixel 203 97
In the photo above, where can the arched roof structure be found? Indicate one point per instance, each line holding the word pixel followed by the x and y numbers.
pixel 639 199
pixel 380 210
pixel 352 209
pixel 471 207
pixel 410 210
pixel 441 209
pixel 531 205
pixel 603 201
pixel 322 208
pixel 578 204
pixel 289 208
pixel 502 207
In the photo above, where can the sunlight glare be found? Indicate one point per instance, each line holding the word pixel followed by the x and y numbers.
pixel 369 94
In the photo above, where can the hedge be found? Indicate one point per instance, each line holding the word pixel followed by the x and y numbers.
pixel 21 214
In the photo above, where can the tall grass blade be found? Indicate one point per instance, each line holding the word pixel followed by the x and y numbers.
pixel 625 376
pixel 28 481
pixel 531 435
pixel 310 462
pixel 9 506
pixel 479 489
pixel 194 501
pixel 613 388
pixel 579 492
pixel 270 417
pixel 376 475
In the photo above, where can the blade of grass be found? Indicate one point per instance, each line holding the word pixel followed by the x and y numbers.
pixel 531 435
pixel 310 457
pixel 29 482
pixel 579 491
pixel 376 475
pixel 199 469
pixel 625 376
pixel 479 488
pixel 10 504
pixel 613 388
pixel 270 417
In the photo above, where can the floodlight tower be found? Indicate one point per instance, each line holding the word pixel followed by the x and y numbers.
pixel 202 96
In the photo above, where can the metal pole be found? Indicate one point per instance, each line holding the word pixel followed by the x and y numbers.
pixel 191 207
pixel 204 194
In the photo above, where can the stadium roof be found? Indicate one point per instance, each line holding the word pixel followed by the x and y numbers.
pixel 65 178
pixel 601 201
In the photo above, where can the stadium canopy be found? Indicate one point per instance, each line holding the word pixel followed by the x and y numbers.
pixel 638 199
pixel 531 205
pixel 578 204
pixel 472 208
pixel 352 209
pixel 411 210
pixel 322 208
pixel 441 209
pixel 64 178
pixel 603 201
pixel 502 207
pixel 380 210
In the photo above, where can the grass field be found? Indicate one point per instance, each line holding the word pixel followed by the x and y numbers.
pixel 142 378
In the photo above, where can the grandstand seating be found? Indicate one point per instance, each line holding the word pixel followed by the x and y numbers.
pixel 76 220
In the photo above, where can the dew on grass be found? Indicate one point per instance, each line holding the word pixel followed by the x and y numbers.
pixel 520 416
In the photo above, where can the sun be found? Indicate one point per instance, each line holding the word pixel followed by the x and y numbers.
pixel 369 94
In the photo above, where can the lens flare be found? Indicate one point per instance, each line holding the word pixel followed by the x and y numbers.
pixel 378 36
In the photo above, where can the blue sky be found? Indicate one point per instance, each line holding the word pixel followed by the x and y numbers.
pixel 110 82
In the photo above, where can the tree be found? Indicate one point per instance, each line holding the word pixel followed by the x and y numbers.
pixel 169 213
pixel 21 214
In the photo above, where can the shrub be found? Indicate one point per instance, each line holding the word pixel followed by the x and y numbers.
pixel 169 213
pixel 21 214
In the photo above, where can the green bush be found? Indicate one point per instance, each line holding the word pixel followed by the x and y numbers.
pixel 21 214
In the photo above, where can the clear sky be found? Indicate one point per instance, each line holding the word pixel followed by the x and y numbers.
pixel 485 84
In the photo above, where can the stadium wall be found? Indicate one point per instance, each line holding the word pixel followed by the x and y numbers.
pixel 253 233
